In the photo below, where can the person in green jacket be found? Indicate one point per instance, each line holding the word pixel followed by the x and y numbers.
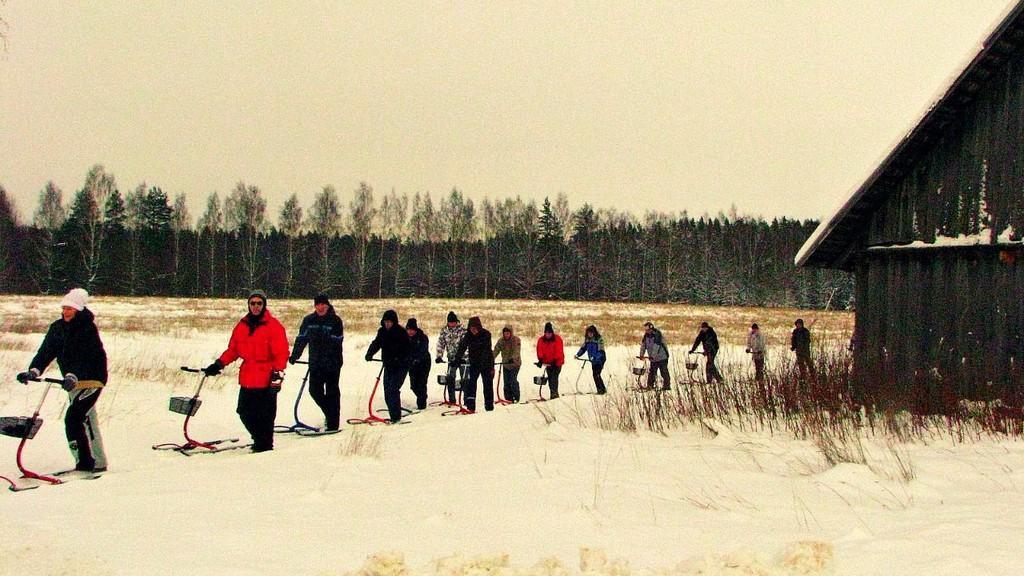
pixel 510 349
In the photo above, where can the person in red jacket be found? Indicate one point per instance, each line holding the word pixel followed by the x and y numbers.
pixel 260 341
pixel 551 354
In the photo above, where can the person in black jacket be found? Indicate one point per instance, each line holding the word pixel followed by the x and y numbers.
pixel 481 363
pixel 393 343
pixel 74 341
pixel 800 342
pixel 324 331
pixel 419 362
pixel 709 341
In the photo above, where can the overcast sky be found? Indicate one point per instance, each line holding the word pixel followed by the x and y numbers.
pixel 777 107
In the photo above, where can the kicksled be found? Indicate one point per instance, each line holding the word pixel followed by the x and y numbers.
pixel 25 428
pixel 188 406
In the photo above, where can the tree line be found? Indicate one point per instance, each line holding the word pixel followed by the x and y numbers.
pixel 393 245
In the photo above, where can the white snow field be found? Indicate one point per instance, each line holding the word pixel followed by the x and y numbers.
pixel 525 489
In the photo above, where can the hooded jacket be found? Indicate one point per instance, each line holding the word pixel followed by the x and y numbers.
pixel 262 349
pixel 478 346
pixel 76 346
pixel 325 335
pixel 510 349
pixel 551 351
pixel 393 343
pixel 594 347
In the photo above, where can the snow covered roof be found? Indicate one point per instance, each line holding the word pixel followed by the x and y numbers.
pixel 831 243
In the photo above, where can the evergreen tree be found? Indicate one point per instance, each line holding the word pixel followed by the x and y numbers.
pixel 156 211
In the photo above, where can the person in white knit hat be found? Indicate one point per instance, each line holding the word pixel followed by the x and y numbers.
pixel 74 341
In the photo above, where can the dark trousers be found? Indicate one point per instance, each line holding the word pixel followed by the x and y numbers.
pixel 323 387
pixel 758 367
pixel 81 402
pixel 394 377
pixel 257 408
pixel 418 382
pixel 450 388
pixel 469 388
pixel 598 380
pixel 659 366
pixel 553 372
pixel 511 385
pixel 712 370
pixel 804 366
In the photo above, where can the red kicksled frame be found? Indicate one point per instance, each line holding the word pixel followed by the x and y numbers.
pixel 26 429
pixel 372 418
pixel 189 407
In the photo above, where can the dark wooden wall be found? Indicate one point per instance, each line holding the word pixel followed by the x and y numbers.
pixel 979 158
pixel 940 320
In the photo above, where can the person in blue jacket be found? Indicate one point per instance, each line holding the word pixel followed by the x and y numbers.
pixel 324 332
pixel 593 345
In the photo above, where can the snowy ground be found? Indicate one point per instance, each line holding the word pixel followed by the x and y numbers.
pixel 524 489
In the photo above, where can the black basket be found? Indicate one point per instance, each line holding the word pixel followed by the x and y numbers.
pixel 691 365
pixel 540 380
pixel 443 379
pixel 639 370
pixel 185 405
pixel 20 426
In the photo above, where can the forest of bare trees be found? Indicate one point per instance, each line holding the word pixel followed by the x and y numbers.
pixel 390 244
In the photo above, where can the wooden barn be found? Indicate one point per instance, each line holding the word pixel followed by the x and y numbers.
pixel 933 237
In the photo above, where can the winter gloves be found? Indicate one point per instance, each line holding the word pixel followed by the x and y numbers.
pixel 214 369
pixel 439 360
pixel 276 379
pixel 70 381
pixel 26 377
pixel 538 364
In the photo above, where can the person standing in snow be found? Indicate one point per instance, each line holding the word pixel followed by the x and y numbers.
pixel 800 342
pixel 593 345
pixel 756 348
pixel 477 343
pixel 510 349
pixel 260 341
pixel 551 355
pixel 708 339
pixel 74 341
pixel 393 343
pixel 652 347
pixel 419 362
pixel 324 332
pixel 447 342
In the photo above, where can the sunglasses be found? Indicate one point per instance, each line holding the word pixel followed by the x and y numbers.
pixel 255 302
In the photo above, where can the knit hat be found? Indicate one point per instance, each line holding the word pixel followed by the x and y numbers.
pixel 648 324
pixel 77 298
pixel 452 317
pixel 321 299
pixel 260 293
pixel 548 328
pixel 410 324
pixel 475 321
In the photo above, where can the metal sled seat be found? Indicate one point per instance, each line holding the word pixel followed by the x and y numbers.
pixel 20 426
